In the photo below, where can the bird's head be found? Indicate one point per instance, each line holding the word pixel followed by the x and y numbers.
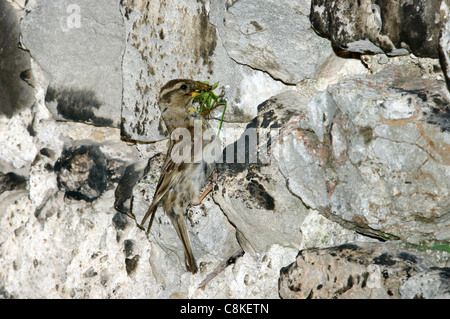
pixel 175 101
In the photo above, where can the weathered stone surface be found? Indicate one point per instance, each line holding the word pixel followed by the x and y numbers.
pixel 18 4
pixel 335 68
pixel 81 57
pixel 213 238
pixel 75 249
pixel 356 270
pixel 18 149
pixel 67 249
pixel 372 153
pixel 251 191
pixel 51 137
pixel 320 232
pixel 433 283
pixel 354 139
pixel 274 37
pixel 444 43
pixel 173 39
pixel 124 190
pixel 392 27
pixel 11 181
pixel 15 68
pixel 252 275
pixel 84 172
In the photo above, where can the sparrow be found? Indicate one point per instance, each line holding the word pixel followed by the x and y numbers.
pixel 180 183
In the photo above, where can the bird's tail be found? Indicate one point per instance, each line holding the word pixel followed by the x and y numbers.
pixel 150 212
pixel 179 222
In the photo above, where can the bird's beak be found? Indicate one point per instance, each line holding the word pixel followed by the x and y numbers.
pixel 194 94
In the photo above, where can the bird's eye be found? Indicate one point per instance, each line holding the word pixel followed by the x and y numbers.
pixel 183 87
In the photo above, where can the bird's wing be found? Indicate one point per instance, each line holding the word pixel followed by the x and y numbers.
pixel 171 173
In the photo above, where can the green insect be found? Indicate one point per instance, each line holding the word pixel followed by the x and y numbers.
pixel 208 100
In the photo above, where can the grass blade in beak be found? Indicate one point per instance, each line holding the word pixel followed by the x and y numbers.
pixel 204 95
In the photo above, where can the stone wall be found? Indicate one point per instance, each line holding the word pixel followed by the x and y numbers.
pixel 348 195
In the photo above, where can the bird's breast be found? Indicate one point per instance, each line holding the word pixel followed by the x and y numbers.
pixel 189 186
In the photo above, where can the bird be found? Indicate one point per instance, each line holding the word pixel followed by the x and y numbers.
pixel 180 182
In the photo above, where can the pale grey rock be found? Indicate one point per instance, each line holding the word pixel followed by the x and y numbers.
pixel 382 168
pixel 354 270
pixel 306 181
pixel 81 57
pixel 19 150
pixel 296 146
pixel 321 232
pixel 251 191
pixel 444 42
pixel 15 70
pixel 430 284
pixel 17 4
pixel 251 276
pixel 335 68
pixel 383 171
pixel 173 39
pixel 212 236
pixel 43 178
pixel 395 28
pixel 274 37
pixel 56 246
pixel 321 116
pixel 85 170
pixel 68 249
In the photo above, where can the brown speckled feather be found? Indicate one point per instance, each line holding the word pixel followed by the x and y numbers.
pixel 180 182
pixel 178 185
pixel 168 177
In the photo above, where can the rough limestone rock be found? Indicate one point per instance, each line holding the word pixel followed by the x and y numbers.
pixel 372 153
pixel 356 270
pixel 320 232
pixel 68 249
pixel 173 39
pixel 84 171
pixel 444 44
pixel 251 276
pixel 76 250
pixel 11 181
pixel 250 189
pixel 18 4
pixel 289 50
pixel 213 238
pixel 392 27
pixel 433 283
pixel 15 67
pixel 124 190
pixel 18 150
pixel 81 57
pixel 369 153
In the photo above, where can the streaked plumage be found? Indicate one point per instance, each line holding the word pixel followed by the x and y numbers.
pixel 179 183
